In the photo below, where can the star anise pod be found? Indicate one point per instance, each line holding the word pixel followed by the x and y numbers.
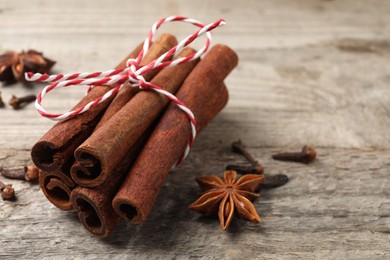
pixel 13 65
pixel 229 196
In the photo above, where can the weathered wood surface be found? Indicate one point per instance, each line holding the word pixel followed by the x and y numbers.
pixel 311 72
pixel 336 208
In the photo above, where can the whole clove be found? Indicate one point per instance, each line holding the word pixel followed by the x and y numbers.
pixel 7 192
pixel 274 181
pixel 270 181
pixel 28 173
pixel 20 102
pixel 307 155
pixel 31 173
pixel 254 167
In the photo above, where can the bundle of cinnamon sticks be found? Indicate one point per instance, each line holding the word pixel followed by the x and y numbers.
pixel 110 162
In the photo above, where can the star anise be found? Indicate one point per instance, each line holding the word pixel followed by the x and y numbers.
pixel 13 65
pixel 229 196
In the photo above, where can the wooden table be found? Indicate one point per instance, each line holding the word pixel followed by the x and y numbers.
pixel 311 72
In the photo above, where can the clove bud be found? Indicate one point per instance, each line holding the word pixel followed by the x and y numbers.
pixel 307 155
pixel 20 102
pixel 7 192
pixel 28 173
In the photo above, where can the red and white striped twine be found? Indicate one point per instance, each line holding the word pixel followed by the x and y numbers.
pixel 132 74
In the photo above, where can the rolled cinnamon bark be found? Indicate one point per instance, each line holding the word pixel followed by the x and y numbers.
pixel 85 166
pixel 56 147
pixel 205 94
pixel 94 205
pixel 57 188
pixel 95 215
pixel 164 42
pixel 127 125
pixel 53 153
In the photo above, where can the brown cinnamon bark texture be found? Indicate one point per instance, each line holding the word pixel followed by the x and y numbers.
pixel 205 94
pixel 127 125
pixel 94 206
pixel 57 188
pixel 53 153
pixel 96 216
pixel 57 146
pixel 86 167
pixel 161 45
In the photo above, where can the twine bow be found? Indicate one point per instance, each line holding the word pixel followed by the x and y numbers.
pixel 132 74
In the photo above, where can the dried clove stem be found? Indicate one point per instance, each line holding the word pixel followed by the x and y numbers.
pixel 307 155
pixel 274 181
pixel 239 147
pixel 28 173
pixel 17 103
pixel 254 167
pixel 270 181
pixel 7 192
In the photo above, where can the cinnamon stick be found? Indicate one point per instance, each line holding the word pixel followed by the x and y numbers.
pixel 86 166
pixel 93 205
pixel 58 144
pixel 57 188
pixel 205 94
pixel 53 153
pixel 56 147
pixel 95 215
pixel 164 43
pixel 126 126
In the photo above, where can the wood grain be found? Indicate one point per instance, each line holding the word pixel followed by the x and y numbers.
pixel 336 208
pixel 311 72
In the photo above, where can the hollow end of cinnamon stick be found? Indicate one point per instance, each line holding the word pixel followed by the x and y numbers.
pixel 57 189
pixel 89 217
pixel 127 211
pixel 87 170
pixel 45 156
pixel 94 218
